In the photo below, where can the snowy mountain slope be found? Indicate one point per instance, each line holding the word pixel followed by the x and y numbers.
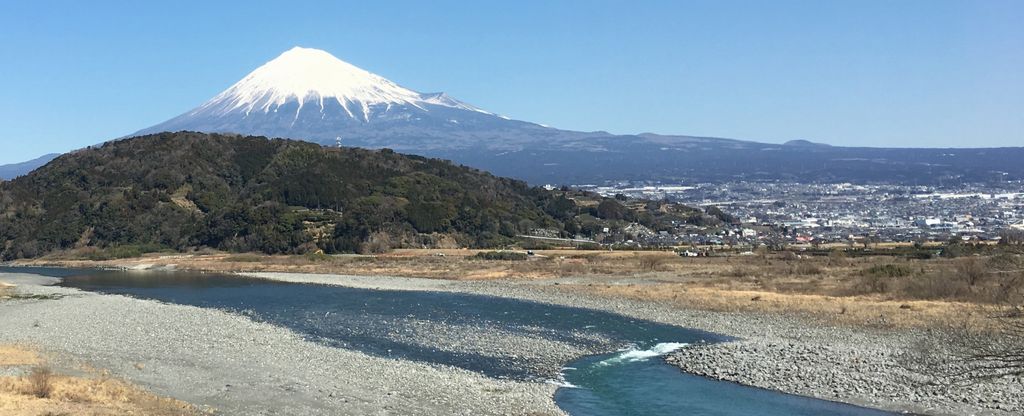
pixel 309 94
pixel 314 79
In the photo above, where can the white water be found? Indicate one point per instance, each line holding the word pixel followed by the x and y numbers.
pixel 633 354
pixel 563 384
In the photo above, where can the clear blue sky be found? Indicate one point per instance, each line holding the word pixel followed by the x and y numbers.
pixel 922 73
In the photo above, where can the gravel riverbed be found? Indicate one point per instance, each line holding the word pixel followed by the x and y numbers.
pixel 238 366
pixel 785 353
pixel 858 368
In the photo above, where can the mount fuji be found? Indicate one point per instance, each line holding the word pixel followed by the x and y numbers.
pixel 309 94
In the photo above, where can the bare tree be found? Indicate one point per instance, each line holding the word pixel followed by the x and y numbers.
pixel 971 351
pixel 997 353
pixel 980 347
pixel 972 270
pixel 1012 237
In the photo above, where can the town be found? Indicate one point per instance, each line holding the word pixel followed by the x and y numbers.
pixel 786 213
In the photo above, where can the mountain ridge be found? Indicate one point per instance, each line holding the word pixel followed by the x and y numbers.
pixel 14 170
pixel 184 190
pixel 298 95
pixel 188 191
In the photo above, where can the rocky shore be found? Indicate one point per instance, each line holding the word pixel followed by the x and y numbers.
pixel 847 366
pixel 860 366
pixel 239 366
pixel 234 365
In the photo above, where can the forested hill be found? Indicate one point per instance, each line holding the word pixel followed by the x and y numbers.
pixel 189 190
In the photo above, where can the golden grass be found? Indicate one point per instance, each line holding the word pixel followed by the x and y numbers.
pixel 42 392
pixel 830 286
pixel 850 310
pixel 17 356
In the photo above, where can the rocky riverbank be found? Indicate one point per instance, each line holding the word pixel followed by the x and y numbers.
pixel 235 365
pixel 848 366
pixel 786 353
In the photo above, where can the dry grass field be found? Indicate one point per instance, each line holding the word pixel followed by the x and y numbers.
pixel 40 391
pixel 869 290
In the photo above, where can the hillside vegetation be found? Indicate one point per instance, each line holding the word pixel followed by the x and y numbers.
pixel 182 191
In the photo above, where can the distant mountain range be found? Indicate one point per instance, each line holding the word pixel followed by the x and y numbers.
pixel 17 169
pixel 309 94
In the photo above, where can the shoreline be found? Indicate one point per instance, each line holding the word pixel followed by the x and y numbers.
pixel 235 365
pixel 29 386
pixel 782 340
pixel 768 345
pixel 725 284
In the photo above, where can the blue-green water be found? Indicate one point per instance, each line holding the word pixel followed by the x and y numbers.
pixel 631 379
pixel 649 386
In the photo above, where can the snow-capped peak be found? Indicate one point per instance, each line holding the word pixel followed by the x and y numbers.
pixel 306 74
pixel 440 98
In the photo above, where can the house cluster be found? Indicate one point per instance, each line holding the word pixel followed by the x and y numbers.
pixel 796 213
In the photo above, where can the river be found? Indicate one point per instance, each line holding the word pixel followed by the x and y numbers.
pixel 624 373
